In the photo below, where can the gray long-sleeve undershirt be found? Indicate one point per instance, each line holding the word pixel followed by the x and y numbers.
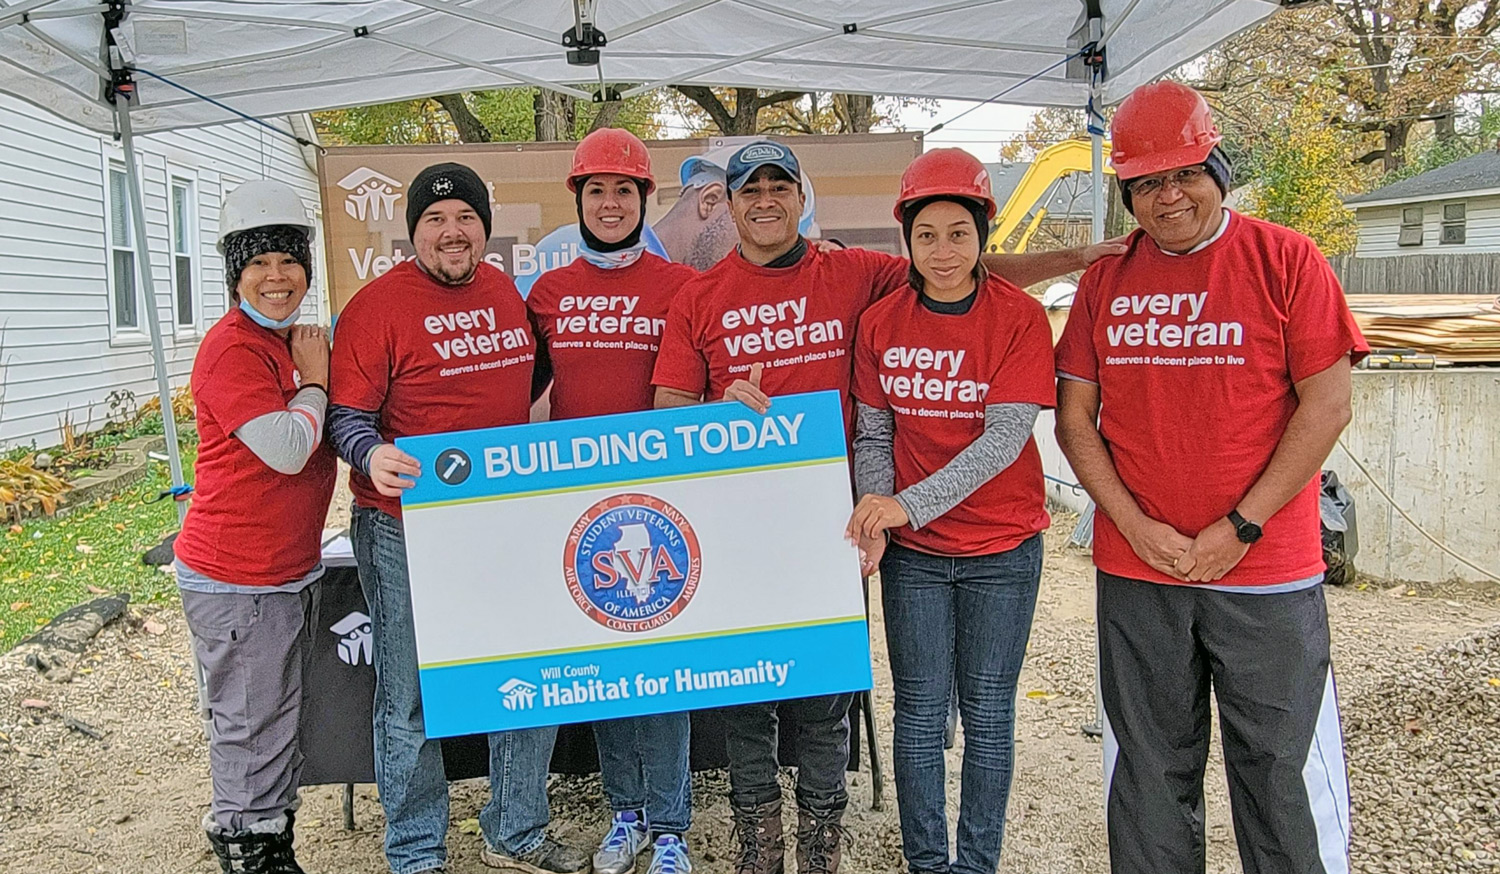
pixel 285 439
pixel 1007 427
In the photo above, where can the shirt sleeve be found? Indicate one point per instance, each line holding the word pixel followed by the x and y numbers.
pixel 883 273
pixel 1026 372
pixel 1076 357
pixel 1319 329
pixel 680 363
pixel 285 440
pixel 1007 427
pixel 359 369
pixel 239 386
pixel 866 384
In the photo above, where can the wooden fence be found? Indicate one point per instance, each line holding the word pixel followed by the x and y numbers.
pixel 1419 274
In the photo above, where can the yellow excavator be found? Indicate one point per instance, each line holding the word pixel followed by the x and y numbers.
pixel 1052 163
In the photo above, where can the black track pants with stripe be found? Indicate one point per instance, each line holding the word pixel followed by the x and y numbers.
pixel 1265 656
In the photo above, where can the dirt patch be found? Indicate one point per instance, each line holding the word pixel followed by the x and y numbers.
pixel 131 799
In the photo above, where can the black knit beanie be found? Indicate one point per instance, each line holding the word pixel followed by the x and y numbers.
pixel 240 247
pixel 1218 170
pixel 598 245
pixel 447 181
pixel 981 225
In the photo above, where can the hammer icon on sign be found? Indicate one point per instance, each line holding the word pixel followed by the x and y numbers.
pixel 453 466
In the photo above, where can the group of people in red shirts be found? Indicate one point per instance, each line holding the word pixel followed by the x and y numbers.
pixel 1199 385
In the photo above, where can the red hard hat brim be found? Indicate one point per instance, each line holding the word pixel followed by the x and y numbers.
pixel 650 182
pixel 990 208
pixel 1159 162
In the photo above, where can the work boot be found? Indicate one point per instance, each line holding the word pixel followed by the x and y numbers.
pixel 264 848
pixel 762 848
pixel 626 839
pixel 549 857
pixel 819 835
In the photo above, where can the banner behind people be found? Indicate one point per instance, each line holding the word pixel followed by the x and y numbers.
pixel 848 182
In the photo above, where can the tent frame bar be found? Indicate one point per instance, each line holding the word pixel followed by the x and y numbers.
pixel 148 290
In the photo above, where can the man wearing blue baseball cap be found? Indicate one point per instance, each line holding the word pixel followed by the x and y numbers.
pixel 706 355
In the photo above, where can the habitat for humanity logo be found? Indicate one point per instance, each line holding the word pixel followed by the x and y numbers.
pixel 373 195
pixel 632 562
pixel 355 642
pixel 519 694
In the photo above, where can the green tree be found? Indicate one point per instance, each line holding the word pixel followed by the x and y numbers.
pixel 1302 174
pixel 500 115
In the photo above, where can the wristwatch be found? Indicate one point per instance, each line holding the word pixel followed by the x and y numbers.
pixel 1244 529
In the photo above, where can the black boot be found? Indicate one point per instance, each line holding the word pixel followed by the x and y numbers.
pixel 265 848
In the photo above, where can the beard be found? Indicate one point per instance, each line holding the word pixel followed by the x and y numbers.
pixel 453 275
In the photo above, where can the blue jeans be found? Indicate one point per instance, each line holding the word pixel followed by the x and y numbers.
pixel 408 764
pixel 643 763
pixel 962 620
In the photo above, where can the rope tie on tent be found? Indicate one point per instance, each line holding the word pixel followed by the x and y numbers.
pixel 178 493
pixel 301 141
pixel 1033 77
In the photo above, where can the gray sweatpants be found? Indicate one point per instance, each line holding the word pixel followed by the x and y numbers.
pixel 252 650
pixel 1265 657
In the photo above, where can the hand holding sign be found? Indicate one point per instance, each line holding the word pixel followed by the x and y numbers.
pixel 392 470
pixel 747 391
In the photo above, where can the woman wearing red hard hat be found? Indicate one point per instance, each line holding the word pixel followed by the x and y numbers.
pixel 950 374
pixel 1205 377
pixel 598 322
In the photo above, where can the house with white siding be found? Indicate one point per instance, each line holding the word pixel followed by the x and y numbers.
pixel 72 315
pixel 1454 209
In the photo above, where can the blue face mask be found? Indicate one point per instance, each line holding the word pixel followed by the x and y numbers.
pixel 258 318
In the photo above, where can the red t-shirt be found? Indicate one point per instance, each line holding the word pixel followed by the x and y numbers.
pixel 602 329
pixel 249 525
pixel 1195 357
pixel 936 373
pixel 798 321
pixel 432 358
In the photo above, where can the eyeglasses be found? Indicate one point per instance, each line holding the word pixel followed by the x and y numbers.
pixel 1179 179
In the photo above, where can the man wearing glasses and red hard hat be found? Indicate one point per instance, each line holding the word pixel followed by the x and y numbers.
pixel 1204 378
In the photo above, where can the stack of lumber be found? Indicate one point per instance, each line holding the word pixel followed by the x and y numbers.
pixel 1457 328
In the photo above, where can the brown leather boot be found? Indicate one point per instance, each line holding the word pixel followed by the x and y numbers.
pixel 762 848
pixel 820 835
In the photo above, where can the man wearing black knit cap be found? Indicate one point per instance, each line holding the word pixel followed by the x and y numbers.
pixel 438 343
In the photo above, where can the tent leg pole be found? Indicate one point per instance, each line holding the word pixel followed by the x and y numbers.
pixel 1096 181
pixel 148 290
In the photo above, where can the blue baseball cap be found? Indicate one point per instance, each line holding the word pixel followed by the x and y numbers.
pixel 756 155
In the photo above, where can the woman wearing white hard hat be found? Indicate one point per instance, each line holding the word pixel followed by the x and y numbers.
pixel 248 554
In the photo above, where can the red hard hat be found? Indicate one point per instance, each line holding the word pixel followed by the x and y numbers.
pixel 614 151
pixel 1160 127
pixel 952 172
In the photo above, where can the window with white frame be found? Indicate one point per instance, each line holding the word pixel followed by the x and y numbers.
pixel 1411 226
pixel 125 310
pixel 184 234
pixel 1455 224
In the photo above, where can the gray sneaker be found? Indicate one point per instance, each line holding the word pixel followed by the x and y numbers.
pixel 626 839
pixel 550 857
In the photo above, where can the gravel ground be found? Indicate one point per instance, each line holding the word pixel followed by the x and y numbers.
pixel 1417 676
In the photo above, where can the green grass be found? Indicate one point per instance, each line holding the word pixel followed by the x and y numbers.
pixel 49 565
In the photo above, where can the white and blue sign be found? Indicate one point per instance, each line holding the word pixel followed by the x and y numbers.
pixel 642 563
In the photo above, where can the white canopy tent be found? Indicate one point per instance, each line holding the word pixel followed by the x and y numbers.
pixel 188 63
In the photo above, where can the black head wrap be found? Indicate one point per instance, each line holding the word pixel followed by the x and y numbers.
pixel 241 247
pixel 976 209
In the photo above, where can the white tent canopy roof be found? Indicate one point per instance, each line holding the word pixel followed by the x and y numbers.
pixel 276 57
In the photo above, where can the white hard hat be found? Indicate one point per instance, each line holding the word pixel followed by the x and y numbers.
pixel 1059 295
pixel 262 202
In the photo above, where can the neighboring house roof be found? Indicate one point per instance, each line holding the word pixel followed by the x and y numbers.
pixel 1474 175
pixel 1071 199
